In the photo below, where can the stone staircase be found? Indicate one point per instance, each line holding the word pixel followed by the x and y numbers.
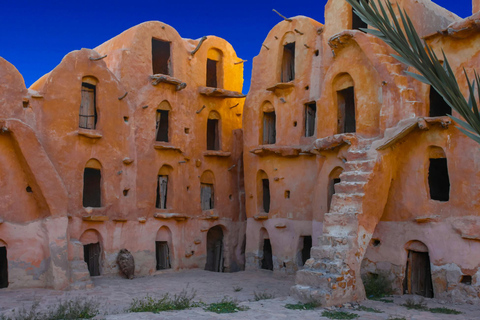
pixel 332 274
pixel 79 276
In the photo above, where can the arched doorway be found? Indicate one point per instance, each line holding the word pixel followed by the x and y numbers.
pixel 215 249
pixel 418 275
pixel 163 246
pixel 92 251
pixel 266 249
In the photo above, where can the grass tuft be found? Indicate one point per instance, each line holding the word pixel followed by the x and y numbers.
pixel 411 304
pixel 302 306
pixel 339 315
pixel 227 305
pixel 182 301
pixel 237 289
pixel 368 309
pixel 444 310
pixel 376 286
pixel 263 296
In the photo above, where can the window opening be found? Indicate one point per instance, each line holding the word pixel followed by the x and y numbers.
pixel 346 110
pixel 212 73
pixel 162 188
pixel 438 106
pixel 162 125
pixel 88 110
pixel 331 191
pixel 288 62
pixel 307 246
pixel 91 188
pixel 357 22
pixel 206 193
pixel 310 116
pixel 91 255
pixel 267 260
pixel 466 280
pixel 266 195
pixel 161 62
pixel 269 130
pixel 214 250
pixel 418 277
pixel 162 254
pixel 438 179
pixel 213 141
pixel 3 268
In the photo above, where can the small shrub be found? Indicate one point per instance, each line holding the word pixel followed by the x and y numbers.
pixel 367 309
pixel 339 315
pixel 411 304
pixel 237 289
pixel 182 301
pixel 227 305
pixel 396 318
pixel 376 286
pixel 444 310
pixel 263 296
pixel 302 306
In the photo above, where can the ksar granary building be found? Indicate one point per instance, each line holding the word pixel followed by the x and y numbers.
pixel 335 166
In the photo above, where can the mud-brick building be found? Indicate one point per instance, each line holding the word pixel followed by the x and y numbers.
pixel 136 144
pixel 351 157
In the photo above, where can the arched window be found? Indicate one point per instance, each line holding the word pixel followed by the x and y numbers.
pixel 333 179
pixel 263 191
pixel 438 106
pixel 438 179
pixel 88 105
pixel 163 246
pixel 344 87
pixel 161 62
pixel 213 131
pixel 92 251
pixel 92 181
pixel 287 73
pixel 207 195
pixel 163 185
pixel 269 132
pixel 163 112
pixel 214 68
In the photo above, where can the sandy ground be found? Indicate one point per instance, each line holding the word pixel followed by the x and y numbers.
pixel 115 295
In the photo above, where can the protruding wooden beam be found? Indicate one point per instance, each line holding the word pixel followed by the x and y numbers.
pixel 198 45
pixel 96 59
pixel 284 18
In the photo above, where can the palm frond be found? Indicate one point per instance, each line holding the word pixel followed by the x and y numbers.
pixel 401 36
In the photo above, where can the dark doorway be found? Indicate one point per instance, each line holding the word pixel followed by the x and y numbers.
pixel 438 179
pixel 331 191
pixel 214 249
pixel 211 73
pixel 162 188
pixel 269 130
pixel 307 246
pixel 213 141
pixel 418 277
pixel 161 57
pixel 357 22
pixel 438 106
pixel 267 261
pixel 92 193
pixel 266 195
pixel 346 110
pixel 162 253
pixel 310 116
pixel 206 196
pixel 91 255
pixel 288 62
pixel 162 125
pixel 3 268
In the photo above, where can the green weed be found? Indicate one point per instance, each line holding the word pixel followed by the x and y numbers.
pixel 339 315
pixel 444 310
pixel 227 305
pixel 367 309
pixel 302 306
pixel 182 301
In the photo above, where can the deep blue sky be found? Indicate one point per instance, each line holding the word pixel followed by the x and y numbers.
pixel 36 35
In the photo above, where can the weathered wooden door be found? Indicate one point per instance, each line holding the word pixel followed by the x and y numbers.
pixel 418 274
pixel 267 261
pixel 162 191
pixel 87 107
pixel 91 254
pixel 288 62
pixel 3 268
pixel 163 255
pixel 269 130
pixel 206 195
pixel 214 250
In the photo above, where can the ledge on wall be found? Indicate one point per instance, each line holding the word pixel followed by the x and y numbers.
pixel 166 146
pixel 261 217
pixel 336 141
pixel 220 93
pixel 216 153
pixel 281 86
pixel 92 134
pixel 163 78
pixel 95 218
pixel 175 216
pixel 209 215
pixel 284 151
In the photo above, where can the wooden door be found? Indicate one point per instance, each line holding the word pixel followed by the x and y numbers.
pixel 163 187
pixel 87 107
pixel 3 268
pixel 418 274
pixel 163 255
pixel 91 253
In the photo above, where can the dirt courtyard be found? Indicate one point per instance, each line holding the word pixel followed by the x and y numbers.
pixel 115 295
